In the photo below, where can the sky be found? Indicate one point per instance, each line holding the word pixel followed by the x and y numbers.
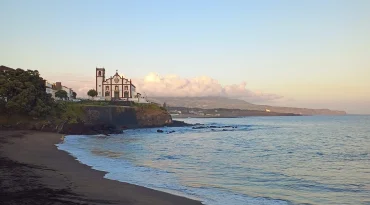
pixel 307 53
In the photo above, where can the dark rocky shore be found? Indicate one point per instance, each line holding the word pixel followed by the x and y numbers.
pixel 81 128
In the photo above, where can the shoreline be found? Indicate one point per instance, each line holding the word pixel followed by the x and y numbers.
pixel 35 171
pixel 81 128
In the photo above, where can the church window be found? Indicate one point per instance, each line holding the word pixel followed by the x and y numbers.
pixel 116 88
pixel 107 88
pixel 126 87
pixel 99 73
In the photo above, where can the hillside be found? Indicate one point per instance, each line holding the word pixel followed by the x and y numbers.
pixel 222 102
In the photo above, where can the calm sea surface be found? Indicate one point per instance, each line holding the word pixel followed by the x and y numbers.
pixel 262 160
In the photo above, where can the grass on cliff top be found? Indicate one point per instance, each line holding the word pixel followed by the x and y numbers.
pixel 93 103
pixel 73 112
pixel 151 106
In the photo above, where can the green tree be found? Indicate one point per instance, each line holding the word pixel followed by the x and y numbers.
pixel 61 94
pixel 74 95
pixel 92 93
pixel 25 94
pixel 2 105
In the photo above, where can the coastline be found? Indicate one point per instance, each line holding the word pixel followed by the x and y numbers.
pixel 34 171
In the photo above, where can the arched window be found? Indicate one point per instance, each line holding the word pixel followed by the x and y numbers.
pixel 99 73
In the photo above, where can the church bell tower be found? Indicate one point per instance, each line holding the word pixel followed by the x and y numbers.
pixel 100 77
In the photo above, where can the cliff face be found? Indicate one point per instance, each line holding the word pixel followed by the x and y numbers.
pixel 127 117
pixel 98 120
pixel 152 118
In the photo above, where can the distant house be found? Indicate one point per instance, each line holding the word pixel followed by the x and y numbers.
pixel 69 92
pixel 52 88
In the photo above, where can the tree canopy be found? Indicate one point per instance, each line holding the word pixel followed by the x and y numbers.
pixel 23 92
pixel 62 94
pixel 92 93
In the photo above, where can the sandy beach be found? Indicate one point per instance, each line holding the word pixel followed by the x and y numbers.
pixel 34 171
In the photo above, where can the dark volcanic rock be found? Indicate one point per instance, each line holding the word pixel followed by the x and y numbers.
pixel 86 129
pixel 176 123
pixel 78 128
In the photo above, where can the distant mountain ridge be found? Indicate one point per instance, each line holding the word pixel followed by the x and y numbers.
pixel 223 102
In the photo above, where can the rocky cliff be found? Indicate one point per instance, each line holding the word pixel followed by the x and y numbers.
pixel 97 120
pixel 127 117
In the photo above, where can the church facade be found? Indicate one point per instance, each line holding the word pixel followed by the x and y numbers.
pixel 114 87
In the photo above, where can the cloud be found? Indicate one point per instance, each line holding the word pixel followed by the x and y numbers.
pixel 154 85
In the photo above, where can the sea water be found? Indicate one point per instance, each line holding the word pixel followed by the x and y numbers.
pixel 253 160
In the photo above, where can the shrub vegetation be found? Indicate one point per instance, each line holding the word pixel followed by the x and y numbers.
pixel 23 93
pixel 23 96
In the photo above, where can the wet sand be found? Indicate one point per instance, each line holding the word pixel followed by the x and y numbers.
pixel 34 171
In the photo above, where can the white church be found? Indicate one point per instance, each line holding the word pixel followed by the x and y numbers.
pixel 114 87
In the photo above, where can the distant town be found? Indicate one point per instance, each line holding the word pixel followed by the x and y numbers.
pixel 184 112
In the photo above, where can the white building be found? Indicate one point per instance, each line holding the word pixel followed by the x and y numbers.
pixel 115 87
pixel 69 92
pixel 52 88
